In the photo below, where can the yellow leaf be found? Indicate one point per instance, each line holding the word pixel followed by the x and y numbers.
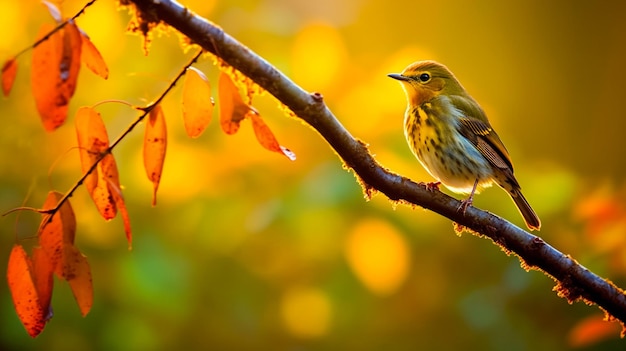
pixel 91 57
pixel 197 102
pixel 266 138
pixel 232 108
pixel 154 147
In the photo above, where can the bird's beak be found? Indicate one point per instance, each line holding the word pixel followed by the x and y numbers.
pixel 398 77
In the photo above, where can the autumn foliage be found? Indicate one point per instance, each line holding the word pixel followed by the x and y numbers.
pixel 155 145
pixel 57 57
pixel 30 277
pixel 55 68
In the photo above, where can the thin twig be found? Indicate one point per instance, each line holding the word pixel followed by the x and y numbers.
pixel 56 29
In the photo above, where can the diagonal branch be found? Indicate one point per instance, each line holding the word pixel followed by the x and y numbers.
pixel 574 282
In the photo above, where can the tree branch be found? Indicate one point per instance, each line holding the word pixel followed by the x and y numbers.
pixel 574 282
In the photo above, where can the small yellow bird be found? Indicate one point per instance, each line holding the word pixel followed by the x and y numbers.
pixel 450 135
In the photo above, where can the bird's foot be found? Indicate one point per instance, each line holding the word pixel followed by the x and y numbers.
pixel 465 204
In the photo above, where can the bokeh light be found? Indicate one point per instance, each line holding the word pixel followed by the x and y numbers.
pixel 378 255
pixel 247 250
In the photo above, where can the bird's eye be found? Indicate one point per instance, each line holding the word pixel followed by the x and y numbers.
pixel 424 77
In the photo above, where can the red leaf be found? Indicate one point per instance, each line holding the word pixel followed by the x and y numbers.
pixel 266 138
pixel 54 72
pixel 154 147
pixel 197 102
pixel 24 293
pixel 9 70
pixel 91 57
pixel 232 108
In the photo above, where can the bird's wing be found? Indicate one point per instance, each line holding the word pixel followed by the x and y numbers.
pixel 486 141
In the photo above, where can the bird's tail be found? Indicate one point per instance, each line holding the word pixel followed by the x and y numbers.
pixel 530 217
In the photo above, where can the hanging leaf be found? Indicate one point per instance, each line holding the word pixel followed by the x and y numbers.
pixel 24 293
pixel 93 142
pixel 154 147
pixel 232 108
pixel 197 102
pixel 266 138
pixel 103 184
pixel 42 272
pixel 54 72
pixel 53 10
pixel 75 270
pixel 118 198
pixel 56 237
pixel 91 57
pixel 57 232
pixel 103 194
pixel 9 70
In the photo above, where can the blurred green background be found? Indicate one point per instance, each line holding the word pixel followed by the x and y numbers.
pixel 249 251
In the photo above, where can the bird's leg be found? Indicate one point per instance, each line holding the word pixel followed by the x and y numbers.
pixel 468 202
pixel 432 186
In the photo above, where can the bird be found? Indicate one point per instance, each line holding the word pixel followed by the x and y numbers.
pixel 450 135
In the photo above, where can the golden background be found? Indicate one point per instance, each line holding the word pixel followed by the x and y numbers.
pixel 248 251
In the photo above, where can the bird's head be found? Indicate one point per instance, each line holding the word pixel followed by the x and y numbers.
pixel 425 80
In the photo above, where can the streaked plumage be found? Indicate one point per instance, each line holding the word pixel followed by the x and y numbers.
pixel 450 135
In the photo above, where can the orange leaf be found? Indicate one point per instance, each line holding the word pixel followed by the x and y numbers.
pixel 24 293
pixel 154 147
pixel 93 142
pixel 266 138
pixel 91 57
pixel 232 108
pixel 9 70
pixel 116 192
pixel 76 271
pixel 102 194
pixel 60 231
pixel 42 272
pixel 55 67
pixel 197 102
pixel 54 11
